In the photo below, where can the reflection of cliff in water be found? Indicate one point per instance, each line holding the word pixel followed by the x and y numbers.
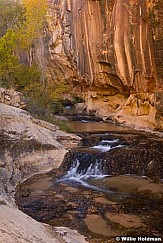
pixel 93 126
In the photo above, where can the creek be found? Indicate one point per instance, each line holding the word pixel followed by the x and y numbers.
pixel 104 188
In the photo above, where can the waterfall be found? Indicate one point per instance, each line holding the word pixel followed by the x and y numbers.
pixel 78 176
pixel 92 171
pixel 106 145
pixel 90 165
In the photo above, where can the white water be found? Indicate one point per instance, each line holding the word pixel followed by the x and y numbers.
pixel 106 145
pixel 94 170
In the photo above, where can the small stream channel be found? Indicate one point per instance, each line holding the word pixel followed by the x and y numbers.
pixel 95 190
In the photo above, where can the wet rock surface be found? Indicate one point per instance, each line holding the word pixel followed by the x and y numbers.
pixel 106 210
pixel 83 209
pixel 139 154
pixel 16 227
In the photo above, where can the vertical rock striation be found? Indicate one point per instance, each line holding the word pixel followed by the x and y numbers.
pixel 115 46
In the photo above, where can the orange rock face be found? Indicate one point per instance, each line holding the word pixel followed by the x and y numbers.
pixel 116 47
pixel 113 42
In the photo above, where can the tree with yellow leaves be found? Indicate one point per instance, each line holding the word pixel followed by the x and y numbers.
pixel 22 24
pixel 35 19
pixel 32 32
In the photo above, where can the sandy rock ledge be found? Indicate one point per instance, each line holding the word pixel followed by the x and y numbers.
pixel 28 146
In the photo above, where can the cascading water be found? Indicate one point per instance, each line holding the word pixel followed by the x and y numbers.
pixel 80 195
pixel 106 145
pixel 93 171
pixel 89 166
pixel 74 175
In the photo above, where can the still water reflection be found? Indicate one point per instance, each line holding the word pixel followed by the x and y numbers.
pixel 83 126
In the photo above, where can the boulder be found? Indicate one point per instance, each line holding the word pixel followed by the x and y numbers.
pixel 28 146
pixel 12 97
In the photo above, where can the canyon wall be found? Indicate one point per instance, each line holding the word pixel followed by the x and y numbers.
pixel 110 51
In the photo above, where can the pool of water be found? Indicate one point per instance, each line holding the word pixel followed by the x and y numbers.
pixel 93 127
pixel 89 200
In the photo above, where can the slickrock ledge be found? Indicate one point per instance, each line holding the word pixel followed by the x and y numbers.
pixel 17 227
pixel 28 146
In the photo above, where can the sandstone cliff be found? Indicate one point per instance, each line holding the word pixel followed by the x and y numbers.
pixel 111 52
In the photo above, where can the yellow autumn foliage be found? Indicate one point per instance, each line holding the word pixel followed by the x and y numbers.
pixel 35 17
